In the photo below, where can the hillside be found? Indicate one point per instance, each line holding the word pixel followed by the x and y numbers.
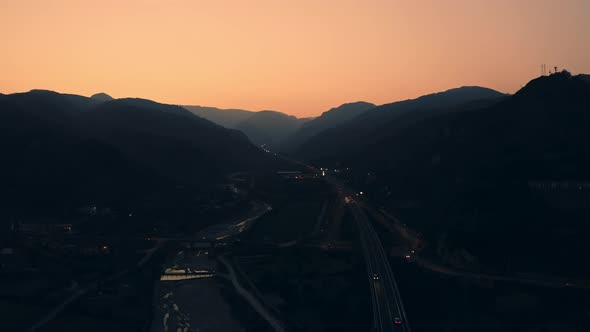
pixel 269 128
pixel 341 143
pixel 171 140
pixel 48 166
pixel 542 123
pixel 229 118
pixel 61 149
pixel 329 119
pixel 101 97
pixel 514 172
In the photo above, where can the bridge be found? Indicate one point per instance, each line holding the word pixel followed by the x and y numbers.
pixel 185 274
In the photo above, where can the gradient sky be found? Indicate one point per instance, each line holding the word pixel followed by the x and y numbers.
pixel 301 57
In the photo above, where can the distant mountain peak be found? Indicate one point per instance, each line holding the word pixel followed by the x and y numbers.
pixel 552 85
pixel 43 91
pixel 274 114
pixel 101 96
pixel 360 102
pixel 356 106
pixel 329 119
pixel 467 89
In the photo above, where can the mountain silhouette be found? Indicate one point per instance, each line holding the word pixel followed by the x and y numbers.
pixel 356 134
pixel 471 174
pixel 267 128
pixel 170 139
pixel 329 119
pixel 101 97
pixel 61 149
pixel 49 166
pixel 229 118
pixel 537 123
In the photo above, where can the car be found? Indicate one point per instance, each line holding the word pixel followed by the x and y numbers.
pixel 397 321
pixel 375 276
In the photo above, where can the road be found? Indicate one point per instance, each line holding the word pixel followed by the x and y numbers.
pixel 228 230
pixel 251 299
pixel 373 250
pixel 531 279
pixel 388 310
pixel 536 280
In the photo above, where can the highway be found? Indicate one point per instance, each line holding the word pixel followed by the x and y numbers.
pixel 388 310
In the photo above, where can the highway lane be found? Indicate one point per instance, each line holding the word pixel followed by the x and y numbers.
pixel 388 310
pixel 371 272
pixel 387 304
pixel 390 285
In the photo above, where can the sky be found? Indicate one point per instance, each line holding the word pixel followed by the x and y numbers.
pixel 301 57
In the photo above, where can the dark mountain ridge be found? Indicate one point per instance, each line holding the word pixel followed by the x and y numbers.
pixel 269 128
pixel 514 172
pixel 171 139
pixel 329 119
pixel 61 148
pixel 262 128
pixel 229 118
pixel 542 121
pixel 101 96
pixel 355 135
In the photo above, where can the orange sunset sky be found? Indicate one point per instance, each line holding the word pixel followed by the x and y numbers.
pixel 300 57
